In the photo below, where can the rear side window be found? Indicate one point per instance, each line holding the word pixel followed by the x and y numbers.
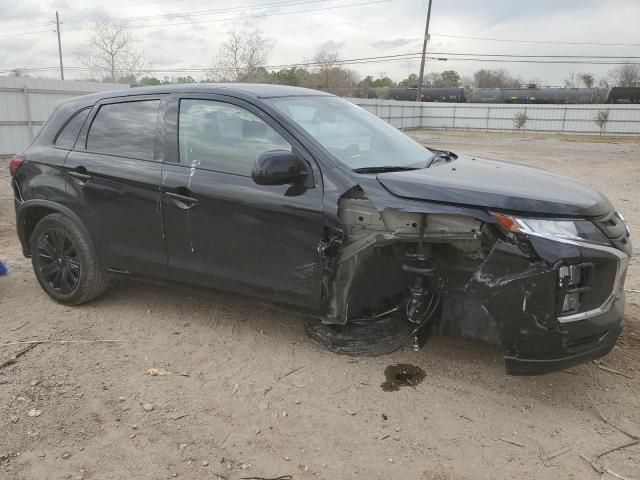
pixel 67 137
pixel 223 137
pixel 125 129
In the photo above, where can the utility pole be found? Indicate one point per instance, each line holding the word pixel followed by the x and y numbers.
pixel 424 53
pixel 59 46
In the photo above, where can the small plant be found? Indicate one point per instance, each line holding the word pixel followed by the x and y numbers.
pixel 520 120
pixel 602 117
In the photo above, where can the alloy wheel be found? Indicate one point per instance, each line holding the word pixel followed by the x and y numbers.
pixel 58 260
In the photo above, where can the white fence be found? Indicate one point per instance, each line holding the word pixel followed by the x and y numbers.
pixel 25 104
pixel 623 119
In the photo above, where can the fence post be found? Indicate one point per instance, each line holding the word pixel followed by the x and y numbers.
pixel 488 114
pixel 564 118
pixel 28 105
pixel 453 124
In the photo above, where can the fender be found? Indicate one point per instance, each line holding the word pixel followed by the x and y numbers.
pixel 21 213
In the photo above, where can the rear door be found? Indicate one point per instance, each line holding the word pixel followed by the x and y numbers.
pixel 222 229
pixel 114 178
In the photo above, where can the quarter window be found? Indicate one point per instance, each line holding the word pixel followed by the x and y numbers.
pixel 223 137
pixel 125 129
pixel 67 137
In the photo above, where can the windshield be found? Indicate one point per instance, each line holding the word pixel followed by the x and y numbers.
pixel 356 137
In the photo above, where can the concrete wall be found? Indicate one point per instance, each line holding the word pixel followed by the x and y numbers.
pixel 623 119
pixel 25 104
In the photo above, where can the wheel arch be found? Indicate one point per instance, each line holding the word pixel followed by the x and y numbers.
pixel 29 214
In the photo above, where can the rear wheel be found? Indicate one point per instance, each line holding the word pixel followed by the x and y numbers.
pixel 65 262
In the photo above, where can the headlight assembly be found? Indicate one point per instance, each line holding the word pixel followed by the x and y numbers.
pixel 569 229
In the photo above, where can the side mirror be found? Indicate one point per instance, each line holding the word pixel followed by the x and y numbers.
pixel 278 167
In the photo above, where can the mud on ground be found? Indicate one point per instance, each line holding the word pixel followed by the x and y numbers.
pixel 250 396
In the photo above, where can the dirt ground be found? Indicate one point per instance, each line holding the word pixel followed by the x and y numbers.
pixel 250 396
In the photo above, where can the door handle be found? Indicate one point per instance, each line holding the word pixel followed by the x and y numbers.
pixel 81 174
pixel 182 198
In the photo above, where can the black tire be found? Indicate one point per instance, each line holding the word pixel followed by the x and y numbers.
pixel 365 338
pixel 65 261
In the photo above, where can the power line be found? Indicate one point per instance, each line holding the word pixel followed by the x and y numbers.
pixel 264 15
pixel 28 33
pixel 546 42
pixel 446 56
pixel 185 14
pixel 26 25
pixel 244 17
pixel 259 6
pixel 610 57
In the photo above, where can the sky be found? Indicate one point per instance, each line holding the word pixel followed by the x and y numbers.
pixel 356 28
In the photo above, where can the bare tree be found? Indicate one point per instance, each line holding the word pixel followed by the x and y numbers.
pixel 111 50
pixel 467 84
pixel 495 79
pixel 241 57
pixel 602 118
pixel 587 79
pixel 329 75
pixel 325 60
pixel 627 75
pixel 571 81
pixel 520 120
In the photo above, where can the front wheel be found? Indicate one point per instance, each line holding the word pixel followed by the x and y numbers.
pixel 65 262
pixel 363 338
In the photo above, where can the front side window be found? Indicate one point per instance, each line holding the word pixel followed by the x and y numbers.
pixel 125 129
pixel 354 136
pixel 67 137
pixel 223 137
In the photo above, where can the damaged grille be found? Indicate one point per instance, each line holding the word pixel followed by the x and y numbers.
pixel 574 286
pixel 590 287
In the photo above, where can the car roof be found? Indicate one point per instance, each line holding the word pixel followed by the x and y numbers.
pixel 241 90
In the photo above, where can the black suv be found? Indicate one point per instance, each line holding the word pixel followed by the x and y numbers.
pixel 304 199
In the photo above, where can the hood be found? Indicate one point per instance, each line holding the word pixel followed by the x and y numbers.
pixel 499 185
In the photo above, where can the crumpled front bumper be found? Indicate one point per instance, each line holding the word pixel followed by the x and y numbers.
pixel 578 343
pixel 522 299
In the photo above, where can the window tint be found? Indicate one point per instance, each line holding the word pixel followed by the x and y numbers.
pixel 125 129
pixel 67 137
pixel 222 137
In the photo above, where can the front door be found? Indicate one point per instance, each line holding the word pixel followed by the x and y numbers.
pixel 222 229
pixel 113 181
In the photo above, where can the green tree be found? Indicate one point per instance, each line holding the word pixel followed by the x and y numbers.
pixel 187 79
pixel 410 81
pixel 150 81
pixel 450 79
pixel 370 82
pixel 286 76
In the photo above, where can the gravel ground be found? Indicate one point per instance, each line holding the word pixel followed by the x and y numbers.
pixel 248 395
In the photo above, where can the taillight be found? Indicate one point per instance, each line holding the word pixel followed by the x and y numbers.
pixel 15 163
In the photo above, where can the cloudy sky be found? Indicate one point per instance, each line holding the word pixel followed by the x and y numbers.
pixel 357 28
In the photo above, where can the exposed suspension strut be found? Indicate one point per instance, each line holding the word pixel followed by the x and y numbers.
pixel 423 299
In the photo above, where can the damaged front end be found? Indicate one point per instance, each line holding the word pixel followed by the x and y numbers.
pixel 397 269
